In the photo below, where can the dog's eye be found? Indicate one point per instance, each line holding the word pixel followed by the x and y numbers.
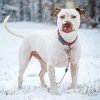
pixel 62 17
pixel 73 16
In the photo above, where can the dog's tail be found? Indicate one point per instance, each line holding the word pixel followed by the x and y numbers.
pixel 5 25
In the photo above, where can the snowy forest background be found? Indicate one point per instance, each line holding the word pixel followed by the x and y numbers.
pixel 39 10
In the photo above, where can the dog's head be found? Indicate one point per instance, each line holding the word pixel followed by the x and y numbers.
pixel 68 20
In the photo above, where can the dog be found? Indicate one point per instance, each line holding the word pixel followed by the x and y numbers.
pixel 52 53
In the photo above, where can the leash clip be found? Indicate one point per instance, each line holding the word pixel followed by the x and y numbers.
pixel 66 69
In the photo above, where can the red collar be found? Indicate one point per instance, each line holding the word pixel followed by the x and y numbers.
pixel 60 38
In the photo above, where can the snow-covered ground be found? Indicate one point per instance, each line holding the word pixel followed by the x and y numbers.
pixel 89 70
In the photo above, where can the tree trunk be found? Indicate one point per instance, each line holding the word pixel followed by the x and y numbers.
pixel 40 11
pixel 92 4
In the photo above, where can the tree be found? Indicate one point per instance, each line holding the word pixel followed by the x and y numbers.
pixel 92 4
pixel 21 10
pixel 40 9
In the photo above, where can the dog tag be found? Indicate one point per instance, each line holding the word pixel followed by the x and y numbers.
pixel 68 50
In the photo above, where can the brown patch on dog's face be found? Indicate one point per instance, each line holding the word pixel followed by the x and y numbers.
pixel 81 11
pixel 55 12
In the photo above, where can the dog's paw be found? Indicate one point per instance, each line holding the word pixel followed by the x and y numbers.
pixel 20 87
pixel 53 91
pixel 71 90
pixel 72 87
pixel 44 85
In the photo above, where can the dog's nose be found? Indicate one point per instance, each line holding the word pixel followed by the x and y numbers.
pixel 68 23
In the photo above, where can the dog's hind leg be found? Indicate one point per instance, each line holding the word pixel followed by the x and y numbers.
pixel 43 67
pixel 24 58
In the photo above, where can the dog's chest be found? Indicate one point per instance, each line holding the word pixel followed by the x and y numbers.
pixel 59 56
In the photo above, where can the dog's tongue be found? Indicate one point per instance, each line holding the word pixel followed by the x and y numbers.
pixel 67 28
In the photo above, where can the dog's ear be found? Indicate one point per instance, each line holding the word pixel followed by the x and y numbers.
pixel 81 12
pixel 55 12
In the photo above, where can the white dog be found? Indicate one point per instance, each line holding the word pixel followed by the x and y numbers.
pixel 51 52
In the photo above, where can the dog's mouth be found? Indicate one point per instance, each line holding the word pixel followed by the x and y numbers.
pixel 67 27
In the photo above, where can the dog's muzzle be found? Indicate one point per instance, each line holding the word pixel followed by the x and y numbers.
pixel 67 27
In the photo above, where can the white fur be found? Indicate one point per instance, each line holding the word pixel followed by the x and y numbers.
pixel 52 51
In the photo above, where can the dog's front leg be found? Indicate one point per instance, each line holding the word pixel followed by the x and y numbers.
pixel 51 74
pixel 74 74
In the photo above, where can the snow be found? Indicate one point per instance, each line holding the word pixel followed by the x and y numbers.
pixel 89 70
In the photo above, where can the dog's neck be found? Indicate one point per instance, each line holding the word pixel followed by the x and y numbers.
pixel 69 37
